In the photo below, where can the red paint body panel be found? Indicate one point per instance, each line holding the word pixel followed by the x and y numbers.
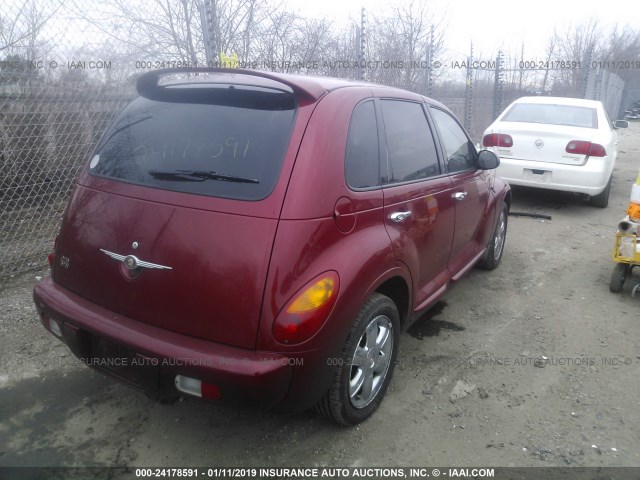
pixel 219 263
pixel 471 217
pixel 236 264
pixel 428 229
pixel 263 376
pixel 318 176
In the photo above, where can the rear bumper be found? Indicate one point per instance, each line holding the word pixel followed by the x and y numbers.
pixel 590 178
pixel 258 378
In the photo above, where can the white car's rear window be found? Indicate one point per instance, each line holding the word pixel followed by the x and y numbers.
pixel 551 114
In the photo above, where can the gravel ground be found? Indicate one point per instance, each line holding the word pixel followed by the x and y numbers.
pixel 533 364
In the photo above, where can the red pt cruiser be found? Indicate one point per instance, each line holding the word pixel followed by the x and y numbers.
pixel 242 235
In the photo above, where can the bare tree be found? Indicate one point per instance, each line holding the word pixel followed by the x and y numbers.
pixel 236 26
pixel 276 46
pixel 20 28
pixel 592 49
pixel 579 43
pixel 550 52
pixel 22 43
pixel 159 29
pixel 313 39
pixel 405 36
pixel 622 52
pixel 172 30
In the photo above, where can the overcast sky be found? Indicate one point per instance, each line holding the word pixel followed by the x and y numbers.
pixel 492 24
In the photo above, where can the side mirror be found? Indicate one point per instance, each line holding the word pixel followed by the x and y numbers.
pixel 620 124
pixel 487 160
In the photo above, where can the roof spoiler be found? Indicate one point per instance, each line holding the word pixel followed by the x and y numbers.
pixel 148 83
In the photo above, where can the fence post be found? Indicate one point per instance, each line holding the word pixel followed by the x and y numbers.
pixel 597 90
pixel 586 72
pixel 620 84
pixel 428 79
pixel 360 46
pixel 204 8
pixel 468 97
pixel 497 86
pixel 521 69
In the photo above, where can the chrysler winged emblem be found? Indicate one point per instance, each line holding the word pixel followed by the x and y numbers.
pixel 132 262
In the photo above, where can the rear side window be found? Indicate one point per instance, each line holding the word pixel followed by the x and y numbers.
pixel 411 148
pixel 362 163
pixel 232 146
pixel 569 115
pixel 461 154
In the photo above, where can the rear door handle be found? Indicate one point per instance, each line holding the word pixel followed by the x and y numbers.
pixel 460 195
pixel 398 217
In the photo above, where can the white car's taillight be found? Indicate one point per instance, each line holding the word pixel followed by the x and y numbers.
pixel 497 140
pixel 581 147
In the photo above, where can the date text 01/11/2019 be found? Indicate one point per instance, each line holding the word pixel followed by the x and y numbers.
pixel 573 64
pixel 315 472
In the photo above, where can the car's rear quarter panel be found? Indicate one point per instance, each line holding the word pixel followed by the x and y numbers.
pixel 309 242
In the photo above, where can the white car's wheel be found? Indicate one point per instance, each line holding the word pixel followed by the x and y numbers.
pixel 602 200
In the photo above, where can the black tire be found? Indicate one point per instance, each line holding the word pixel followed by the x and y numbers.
pixel 602 200
pixel 347 405
pixel 618 276
pixel 495 247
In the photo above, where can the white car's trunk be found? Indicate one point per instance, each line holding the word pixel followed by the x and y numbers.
pixel 544 143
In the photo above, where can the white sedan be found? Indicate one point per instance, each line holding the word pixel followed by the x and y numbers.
pixel 556 143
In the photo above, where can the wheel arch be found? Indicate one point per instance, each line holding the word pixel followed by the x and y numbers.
pixel 397 290
pixel 507 199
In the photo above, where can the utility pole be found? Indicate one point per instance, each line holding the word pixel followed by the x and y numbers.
pixel 208 21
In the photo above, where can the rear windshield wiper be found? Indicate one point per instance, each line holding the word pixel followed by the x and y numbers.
pixel 197 176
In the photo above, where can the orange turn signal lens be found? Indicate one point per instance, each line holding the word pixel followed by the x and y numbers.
pixel 314 296
pixel 307 311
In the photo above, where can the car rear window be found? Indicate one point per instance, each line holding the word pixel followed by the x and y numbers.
pixel 569 115
pixel 230 144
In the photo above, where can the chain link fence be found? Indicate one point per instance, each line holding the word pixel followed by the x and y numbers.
pixel 67 67
pixel 45 137
pixel 52 113
pixel 608 88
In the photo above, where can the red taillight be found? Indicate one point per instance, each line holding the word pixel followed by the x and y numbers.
pixel 307 311
pixel 581 147
pixel 51 258
pixel 210 391
pixel 497 140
